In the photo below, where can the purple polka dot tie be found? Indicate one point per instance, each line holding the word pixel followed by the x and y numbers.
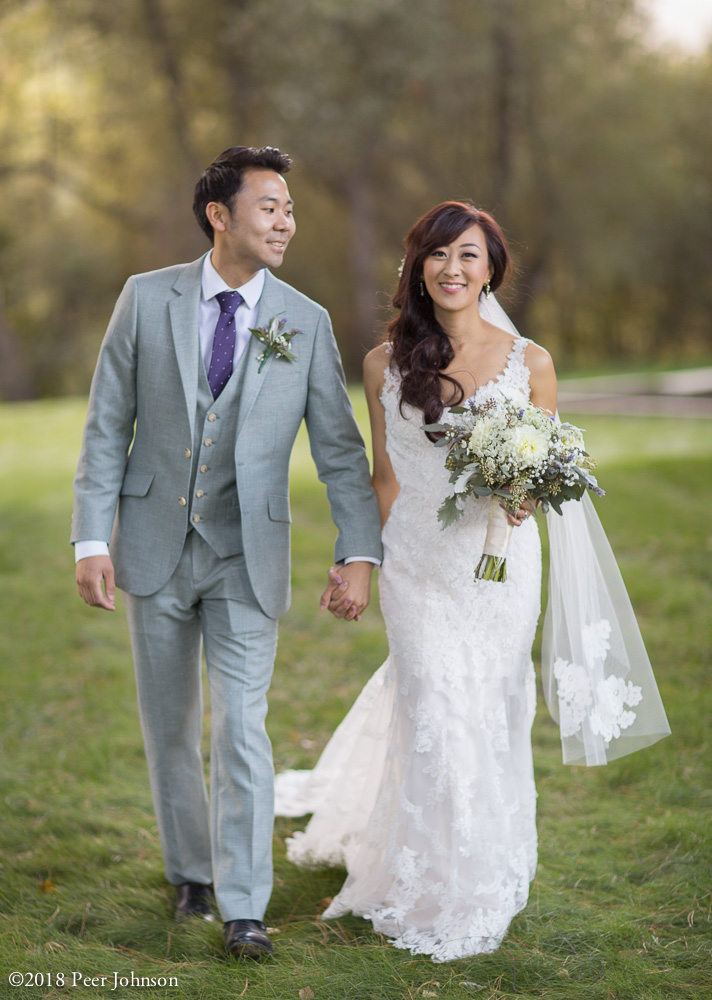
pixel 224 342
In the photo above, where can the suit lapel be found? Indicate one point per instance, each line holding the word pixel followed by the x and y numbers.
pixel 271 304
pixel 185 321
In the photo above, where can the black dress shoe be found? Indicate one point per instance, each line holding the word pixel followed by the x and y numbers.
pixel 193 899
pixel 247 939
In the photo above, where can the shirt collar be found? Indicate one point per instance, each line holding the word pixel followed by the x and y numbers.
pixel 212 283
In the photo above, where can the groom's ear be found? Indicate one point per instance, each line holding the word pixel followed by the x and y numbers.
pixel 217 215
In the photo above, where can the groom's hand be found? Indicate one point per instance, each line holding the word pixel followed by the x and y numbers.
pixel 92 572
pixel 348 591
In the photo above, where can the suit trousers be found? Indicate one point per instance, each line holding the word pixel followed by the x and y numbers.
pixel 209 598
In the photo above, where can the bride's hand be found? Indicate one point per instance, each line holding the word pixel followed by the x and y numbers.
pixel 519 517
pixel 348 592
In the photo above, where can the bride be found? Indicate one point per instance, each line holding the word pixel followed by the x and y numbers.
pixel 425 793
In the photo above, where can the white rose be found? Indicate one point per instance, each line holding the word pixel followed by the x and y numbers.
pixel 480 436
pixel 571 439
pixel 527 446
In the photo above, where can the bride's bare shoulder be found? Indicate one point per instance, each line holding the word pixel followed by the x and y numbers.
pixel 379 358
pixel 538 359
pixel 374 366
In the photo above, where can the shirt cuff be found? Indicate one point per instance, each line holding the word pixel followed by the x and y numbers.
pixel 350 559
pixel 82 550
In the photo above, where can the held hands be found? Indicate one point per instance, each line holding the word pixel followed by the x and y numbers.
pixel 90 574
pixel 348 591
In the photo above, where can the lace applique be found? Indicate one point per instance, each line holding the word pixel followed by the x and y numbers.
pixel 514 376
pixel 442 843
pixel 575 698
pixel 596 644
pixel 391 380
pixel 603 702
pixel 609 718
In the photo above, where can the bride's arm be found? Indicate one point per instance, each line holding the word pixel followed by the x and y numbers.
pixel 542 377
pixel 384 481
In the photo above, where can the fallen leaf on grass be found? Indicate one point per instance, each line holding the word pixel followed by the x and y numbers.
pixel 47 885
pixel 306 994
pixel 427 993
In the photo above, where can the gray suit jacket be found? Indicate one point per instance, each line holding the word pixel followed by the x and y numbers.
pixel 144 391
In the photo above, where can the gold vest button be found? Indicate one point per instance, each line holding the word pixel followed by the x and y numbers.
pixel 196 517
pixel 182 501
pixel 199 493
pixel 212 417
pixel 187 452
pixel 207 442
pixel 203 468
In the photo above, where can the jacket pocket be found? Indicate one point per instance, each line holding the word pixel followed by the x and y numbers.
pixel 136 484
pixel 279 508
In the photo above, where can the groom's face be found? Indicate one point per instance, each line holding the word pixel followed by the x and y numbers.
pixel 261 223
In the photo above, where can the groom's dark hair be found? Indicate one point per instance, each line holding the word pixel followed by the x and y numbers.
pixel 223 178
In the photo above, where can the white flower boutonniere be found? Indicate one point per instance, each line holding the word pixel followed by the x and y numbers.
pixel 275 340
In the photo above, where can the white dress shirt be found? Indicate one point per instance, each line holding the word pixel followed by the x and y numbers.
pixel 208 315
pixel 209 312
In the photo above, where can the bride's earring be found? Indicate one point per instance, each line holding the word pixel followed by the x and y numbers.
pixel 422 290
pixel 487 289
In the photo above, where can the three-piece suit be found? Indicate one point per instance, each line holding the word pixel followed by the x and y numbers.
pixel 194 494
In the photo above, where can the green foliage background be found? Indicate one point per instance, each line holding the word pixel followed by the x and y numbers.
pixel 592 148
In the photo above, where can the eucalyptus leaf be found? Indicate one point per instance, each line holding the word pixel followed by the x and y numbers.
pixel 449 512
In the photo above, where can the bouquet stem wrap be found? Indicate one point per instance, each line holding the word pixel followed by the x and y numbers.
pixel 493 564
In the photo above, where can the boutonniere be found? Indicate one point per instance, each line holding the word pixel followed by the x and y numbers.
pixel 276 341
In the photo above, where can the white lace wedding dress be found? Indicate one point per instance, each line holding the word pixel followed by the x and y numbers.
pixel 425 793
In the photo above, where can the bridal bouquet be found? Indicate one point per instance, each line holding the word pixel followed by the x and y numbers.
pixel 515 454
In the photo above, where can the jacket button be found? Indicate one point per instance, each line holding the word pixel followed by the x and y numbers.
pixel 182 501
pixel 196 517
pixel 207 442
pixel 203 468
pixel 187 452
pixel 212 417
pixel 199 493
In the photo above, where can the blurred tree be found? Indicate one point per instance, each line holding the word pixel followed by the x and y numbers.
pixel 591 149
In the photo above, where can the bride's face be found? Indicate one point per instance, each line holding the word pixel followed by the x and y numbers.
pixel 454 275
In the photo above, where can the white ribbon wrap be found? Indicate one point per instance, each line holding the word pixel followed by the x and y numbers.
pixel 499 531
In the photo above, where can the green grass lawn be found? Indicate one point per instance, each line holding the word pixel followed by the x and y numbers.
pixel 621 906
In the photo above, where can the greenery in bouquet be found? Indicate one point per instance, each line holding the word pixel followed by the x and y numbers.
pixel 515 451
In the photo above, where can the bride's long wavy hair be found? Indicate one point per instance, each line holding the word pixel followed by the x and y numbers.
pixel 420 347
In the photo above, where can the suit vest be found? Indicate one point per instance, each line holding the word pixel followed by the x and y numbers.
pixel 214 504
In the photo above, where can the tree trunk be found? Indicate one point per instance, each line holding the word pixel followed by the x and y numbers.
pixel 504 126
pixel 16 377
pixel 364 254
pixel 169 65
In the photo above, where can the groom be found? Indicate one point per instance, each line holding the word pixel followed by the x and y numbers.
pixel 184 472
